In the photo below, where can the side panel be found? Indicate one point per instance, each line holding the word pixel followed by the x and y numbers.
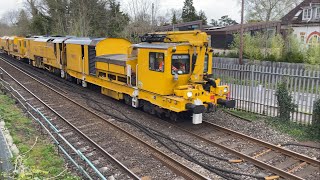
pixel 112 46
pixel 31 49
pixel 74 57
pixel 50 55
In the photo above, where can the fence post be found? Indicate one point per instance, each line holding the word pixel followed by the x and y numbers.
pixel 252 91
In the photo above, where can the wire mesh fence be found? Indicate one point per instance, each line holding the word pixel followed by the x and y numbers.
pixel 254 88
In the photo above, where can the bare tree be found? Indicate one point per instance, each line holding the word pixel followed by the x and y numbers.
pixel 23 24
pixel 143 15
pixel 10 17
pixel 142 10
pixel 268 10
pixel 33 6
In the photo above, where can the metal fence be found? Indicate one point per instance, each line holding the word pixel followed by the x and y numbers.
pixel 254 88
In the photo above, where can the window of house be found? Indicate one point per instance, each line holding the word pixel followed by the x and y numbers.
pixel 180 64
pixel 156 61
pixel 318 13
pixel 307 14
pixel 302 38
pixel 314 40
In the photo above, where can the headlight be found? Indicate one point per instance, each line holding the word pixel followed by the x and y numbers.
pixel 189 94
pixel 225 90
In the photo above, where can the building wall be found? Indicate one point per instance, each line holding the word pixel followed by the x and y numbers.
pixel 307 34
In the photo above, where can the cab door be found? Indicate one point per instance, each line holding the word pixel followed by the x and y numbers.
pixel 153 71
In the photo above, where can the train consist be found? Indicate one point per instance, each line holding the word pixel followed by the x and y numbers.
pixel 168 74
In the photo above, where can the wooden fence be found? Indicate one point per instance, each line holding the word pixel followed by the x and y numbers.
pixel 254 88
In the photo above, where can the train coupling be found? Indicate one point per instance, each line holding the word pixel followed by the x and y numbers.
pixel 227 103
pixel 197 109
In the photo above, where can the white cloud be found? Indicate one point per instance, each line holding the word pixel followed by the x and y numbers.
pixel 7 5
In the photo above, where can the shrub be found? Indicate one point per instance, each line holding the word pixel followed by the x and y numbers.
pixel 233 54
pixel 294 57
pixel 284 100
pixel 276 48
pixel 313 55
pixel 294 51
pixel 252 46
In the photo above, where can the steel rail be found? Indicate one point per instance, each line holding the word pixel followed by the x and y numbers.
pixel 176 166
pixel 256 162
pixel 268 145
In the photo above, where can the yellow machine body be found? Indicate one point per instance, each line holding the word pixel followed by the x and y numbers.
pixel 45 53
pixel 5 44
pixel 167 73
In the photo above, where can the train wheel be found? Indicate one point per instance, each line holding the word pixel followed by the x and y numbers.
pixel 152 109
pixel 149 108
pixel 146 106
pixel 159 114
pixel 174 116
pixel 127 100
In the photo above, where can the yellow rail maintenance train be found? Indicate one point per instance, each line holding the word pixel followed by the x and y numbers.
pixel 167 74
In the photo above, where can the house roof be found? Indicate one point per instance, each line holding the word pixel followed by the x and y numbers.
pixel 179 25
pixel 247 27
pixel 295 15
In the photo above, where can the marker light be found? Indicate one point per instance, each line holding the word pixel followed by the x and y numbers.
pixel 225 90
pixel 189 94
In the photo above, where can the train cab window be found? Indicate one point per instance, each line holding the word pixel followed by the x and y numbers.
pixel 156 61
pixel 206 63
pixel 25 44
pixel 180 64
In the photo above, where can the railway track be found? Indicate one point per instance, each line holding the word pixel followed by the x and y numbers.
pixel 87 130
pixel 280 161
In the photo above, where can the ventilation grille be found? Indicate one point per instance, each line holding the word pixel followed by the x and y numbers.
pixel 92 62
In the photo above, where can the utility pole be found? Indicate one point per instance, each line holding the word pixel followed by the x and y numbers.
pixel 241 34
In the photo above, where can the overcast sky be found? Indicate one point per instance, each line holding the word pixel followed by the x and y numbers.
pixel 214 9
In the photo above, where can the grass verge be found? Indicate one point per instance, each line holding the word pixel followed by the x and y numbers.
pixel 245 115
pixel 298 131
pixel 41 160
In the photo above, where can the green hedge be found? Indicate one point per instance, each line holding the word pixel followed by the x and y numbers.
pixel 262 46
